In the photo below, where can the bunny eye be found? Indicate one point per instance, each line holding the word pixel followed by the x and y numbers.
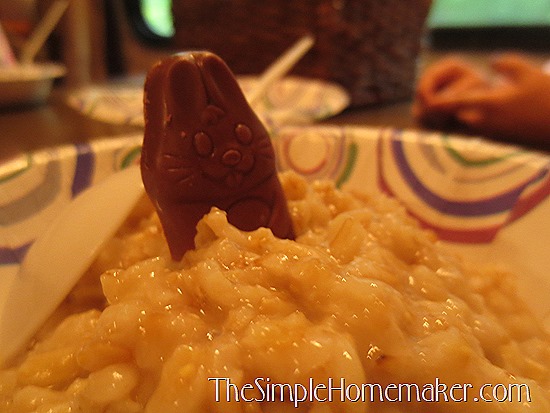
pixel 203 144
pixel 243 134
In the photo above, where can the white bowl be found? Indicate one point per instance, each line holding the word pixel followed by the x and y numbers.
pixel 489 202
pixel 291 100
pixel 28 84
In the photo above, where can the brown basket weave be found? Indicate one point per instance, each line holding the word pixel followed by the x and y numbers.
pixel 368 46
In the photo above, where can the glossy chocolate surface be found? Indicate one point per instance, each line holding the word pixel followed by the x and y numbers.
pixel 204 147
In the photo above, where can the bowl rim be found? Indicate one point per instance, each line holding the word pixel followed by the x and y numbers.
pixel 31 72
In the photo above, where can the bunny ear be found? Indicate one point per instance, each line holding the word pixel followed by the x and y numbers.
pixel 154 112
pixel 221 85
pixel 184 89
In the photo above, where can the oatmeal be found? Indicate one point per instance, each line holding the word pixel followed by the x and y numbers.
pixel 362 295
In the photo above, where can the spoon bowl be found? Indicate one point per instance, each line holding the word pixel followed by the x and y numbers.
pixel 57 259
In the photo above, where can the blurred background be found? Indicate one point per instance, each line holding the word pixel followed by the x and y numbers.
pixel 375 49
pixel 97 39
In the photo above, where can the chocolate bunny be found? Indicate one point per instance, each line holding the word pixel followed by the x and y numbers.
pixel 204 146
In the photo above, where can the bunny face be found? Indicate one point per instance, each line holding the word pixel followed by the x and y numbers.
pixel 209 143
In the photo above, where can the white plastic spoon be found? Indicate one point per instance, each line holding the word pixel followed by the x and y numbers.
pixel 280 68
pixel 59 257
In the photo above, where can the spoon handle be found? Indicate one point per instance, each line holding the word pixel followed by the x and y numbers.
pixel 280 67
pixel 43 30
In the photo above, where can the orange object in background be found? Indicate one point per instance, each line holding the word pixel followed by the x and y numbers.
pixel 7 58
pixel 509 101
pixel 18 18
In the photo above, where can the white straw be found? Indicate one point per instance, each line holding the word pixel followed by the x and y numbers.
pixel 280 67
pixel 43 30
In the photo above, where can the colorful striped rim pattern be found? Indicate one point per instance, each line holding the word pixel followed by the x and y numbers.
pixel 466 190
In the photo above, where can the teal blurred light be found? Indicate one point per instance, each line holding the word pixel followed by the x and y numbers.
pixel 489 13
pixel 158 16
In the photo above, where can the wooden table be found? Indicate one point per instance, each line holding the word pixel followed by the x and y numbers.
pixel 55 123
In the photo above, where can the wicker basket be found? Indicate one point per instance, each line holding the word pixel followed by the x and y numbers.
pixel 368 46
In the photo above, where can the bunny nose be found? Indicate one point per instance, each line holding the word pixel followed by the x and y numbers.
pixel 231 157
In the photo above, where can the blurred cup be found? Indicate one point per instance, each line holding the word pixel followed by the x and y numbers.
pixel 368 46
